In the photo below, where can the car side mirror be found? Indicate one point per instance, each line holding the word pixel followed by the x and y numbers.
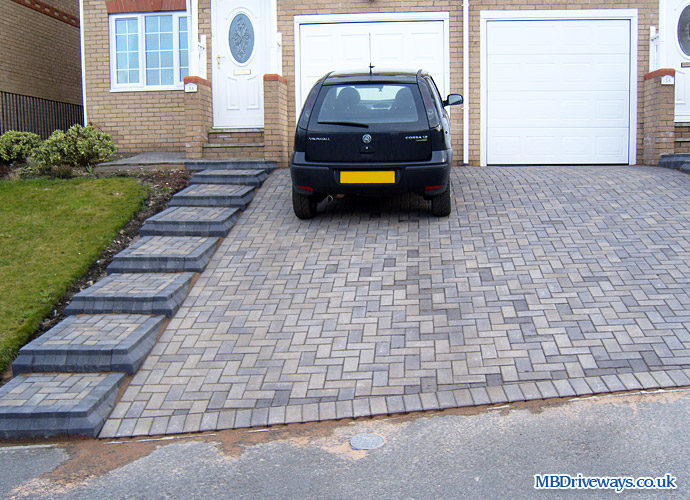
pixel 452 100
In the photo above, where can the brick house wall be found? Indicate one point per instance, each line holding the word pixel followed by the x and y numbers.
pixel 40 54
pixel 138 121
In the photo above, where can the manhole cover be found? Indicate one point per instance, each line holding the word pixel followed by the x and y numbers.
pixel 366 442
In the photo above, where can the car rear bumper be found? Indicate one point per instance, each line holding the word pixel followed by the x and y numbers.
pixel 426 178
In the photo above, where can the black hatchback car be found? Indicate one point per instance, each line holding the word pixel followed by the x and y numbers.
pixel 373 133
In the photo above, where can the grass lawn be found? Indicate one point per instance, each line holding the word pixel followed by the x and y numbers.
pixel 51 231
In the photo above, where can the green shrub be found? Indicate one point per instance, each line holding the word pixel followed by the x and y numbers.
pixel 16 147
pixel 79 147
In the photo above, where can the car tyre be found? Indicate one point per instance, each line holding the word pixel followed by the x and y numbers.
pixel 303 205
pixel 440 204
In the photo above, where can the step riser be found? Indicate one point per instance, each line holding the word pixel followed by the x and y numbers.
pixel 212 195
pixel 235 137
pixel 225 164
pixel 240 152
pixel 242 178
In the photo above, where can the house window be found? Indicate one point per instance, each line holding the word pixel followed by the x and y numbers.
pixel 149 51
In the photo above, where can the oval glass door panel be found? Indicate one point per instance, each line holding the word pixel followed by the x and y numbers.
pixel 241 38
pixel 684 31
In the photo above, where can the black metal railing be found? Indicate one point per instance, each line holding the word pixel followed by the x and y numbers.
pixel 32 114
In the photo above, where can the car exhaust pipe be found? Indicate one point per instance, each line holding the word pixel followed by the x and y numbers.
pixel 329 198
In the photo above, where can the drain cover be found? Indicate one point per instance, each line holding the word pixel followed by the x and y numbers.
pixel 366 442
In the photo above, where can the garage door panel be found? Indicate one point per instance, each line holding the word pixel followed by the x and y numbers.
pixel 558 109
pixel 545 146
pixel 394 44
pixel 558 91
pixel 582 72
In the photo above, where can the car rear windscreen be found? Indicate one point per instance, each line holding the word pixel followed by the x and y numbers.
pixel 370 103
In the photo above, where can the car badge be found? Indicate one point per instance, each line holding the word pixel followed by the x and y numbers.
pixel 366 138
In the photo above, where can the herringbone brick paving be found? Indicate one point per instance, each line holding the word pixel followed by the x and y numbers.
pixel 543 282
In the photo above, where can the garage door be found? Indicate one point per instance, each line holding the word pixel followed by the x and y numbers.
pixel 557 91
pixel 337 46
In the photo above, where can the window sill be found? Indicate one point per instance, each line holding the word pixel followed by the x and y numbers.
pixel 148 89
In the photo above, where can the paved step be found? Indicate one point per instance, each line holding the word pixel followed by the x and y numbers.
pixel 213 195
pixel 677 162
pixel 165 254
pixel 53 404
pixel 145 293
pixel 219 176
pixel 247 150
pixel 230 164
pixel 234 136
pixel 191 221
pixel 91 343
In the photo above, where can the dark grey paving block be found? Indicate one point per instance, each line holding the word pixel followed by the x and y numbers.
pixel 213 195
pixel 224 176
pixel 191 221
pixel 91 343
pixel 165 254
pixel 199 165
pixel 57 404
pixel 145 293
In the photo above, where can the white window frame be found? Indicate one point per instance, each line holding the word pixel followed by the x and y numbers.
pixel 141 26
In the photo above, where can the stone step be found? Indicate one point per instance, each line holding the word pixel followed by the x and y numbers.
pixel 144 293
pixel 191 221
pixel 235 136
pixel 230 164
pixel 91 343
pixel 220 176
pixel 213 195
pixel 676 162
pixel 165 254
pixel 239 150
pixel 51 404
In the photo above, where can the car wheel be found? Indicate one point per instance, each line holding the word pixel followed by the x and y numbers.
pixel 303 205
pixel 440 204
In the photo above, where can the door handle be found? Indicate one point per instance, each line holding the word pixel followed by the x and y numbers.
pixel 218 58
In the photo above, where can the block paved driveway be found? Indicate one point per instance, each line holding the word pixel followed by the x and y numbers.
pixel 543 282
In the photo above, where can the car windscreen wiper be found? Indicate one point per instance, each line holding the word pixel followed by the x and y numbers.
pixel 350 124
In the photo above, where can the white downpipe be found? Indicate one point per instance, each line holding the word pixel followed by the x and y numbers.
pixel 83 60
pixel 465 81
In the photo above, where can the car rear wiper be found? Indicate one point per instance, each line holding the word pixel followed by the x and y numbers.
pixel 351 124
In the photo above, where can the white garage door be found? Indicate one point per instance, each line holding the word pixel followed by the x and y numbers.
pixel 558 91
pixel 338 46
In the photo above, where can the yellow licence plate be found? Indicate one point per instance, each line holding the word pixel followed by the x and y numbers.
pixel 374 177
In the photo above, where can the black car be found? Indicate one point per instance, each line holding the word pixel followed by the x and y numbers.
pixel 373 133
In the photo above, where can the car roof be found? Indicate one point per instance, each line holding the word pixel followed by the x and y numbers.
pixel 363 76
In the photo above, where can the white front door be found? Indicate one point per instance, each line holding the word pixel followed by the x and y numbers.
pixel 241 56
pixel 676 48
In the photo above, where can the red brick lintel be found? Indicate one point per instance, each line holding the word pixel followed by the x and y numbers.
pixel 49 11
pixel 127 6
pixel 660 72
pixel 272 77
pixel 197 79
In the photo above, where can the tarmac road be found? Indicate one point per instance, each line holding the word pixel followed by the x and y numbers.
pixel 479 453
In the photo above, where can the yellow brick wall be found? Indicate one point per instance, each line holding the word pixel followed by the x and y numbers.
pixel 40 55
pixel 138 121
pixel 657 114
